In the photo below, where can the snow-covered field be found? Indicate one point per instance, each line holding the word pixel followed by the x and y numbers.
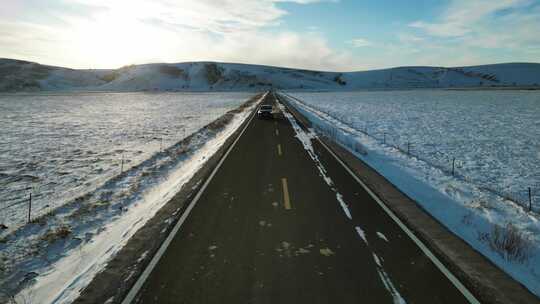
pixel 60 146
pixel 494 137
pixel 61 251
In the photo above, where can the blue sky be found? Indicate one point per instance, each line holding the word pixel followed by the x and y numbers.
pixel 315 34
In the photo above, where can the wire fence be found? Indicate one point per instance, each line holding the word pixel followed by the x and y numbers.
pixel 12 202
pixel 29 206
pixel 448 164
pixel 35 202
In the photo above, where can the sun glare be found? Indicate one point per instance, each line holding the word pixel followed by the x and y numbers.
pixel 115 39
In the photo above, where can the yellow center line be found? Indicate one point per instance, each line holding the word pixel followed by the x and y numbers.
pixel 279 149
pixel 286 200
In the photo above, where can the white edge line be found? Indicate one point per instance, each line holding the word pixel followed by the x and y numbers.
pixel 155 259
pixel 466 293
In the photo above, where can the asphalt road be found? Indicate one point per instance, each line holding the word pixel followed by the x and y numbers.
pixel 270 229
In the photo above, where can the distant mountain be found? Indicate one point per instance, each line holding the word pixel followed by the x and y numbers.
pixel 17 75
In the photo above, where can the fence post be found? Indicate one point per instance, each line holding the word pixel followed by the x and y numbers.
pixel 29 207
pixel 530 200
pixel 122 164
pixel 408 148
pixel 453 165
pixel 384 138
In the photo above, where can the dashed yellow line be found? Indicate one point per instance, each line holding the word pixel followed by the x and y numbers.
pixel 286 200
pixel 279 150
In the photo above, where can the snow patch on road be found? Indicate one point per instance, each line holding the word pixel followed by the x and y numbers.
pixel 339 197
pixel 382 236
pixel 385 279
pixel 305 138
pixel 396 296
pixel 376 259
pixel 362 234
pixel 326 251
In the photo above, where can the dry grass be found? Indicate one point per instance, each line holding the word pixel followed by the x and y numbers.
pixel 480 204
pixel 340 80
pixel 171 71
pixel 358 148
pixel 60 232
pixel 89 207
pixel 220 123
pixel 510 243
pixel 110 76
pixel 214 73
pixel 43 218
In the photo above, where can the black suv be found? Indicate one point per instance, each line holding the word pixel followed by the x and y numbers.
pixel 265 111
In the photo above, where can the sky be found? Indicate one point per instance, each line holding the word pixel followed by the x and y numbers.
pixel 334 35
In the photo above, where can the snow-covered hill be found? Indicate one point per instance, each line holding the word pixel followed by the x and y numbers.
pixel 17 75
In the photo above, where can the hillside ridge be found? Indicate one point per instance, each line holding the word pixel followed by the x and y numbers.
pixel 26 76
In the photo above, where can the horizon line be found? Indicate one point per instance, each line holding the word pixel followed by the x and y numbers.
pixel 271 66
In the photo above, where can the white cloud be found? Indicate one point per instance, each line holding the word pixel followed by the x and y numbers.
pixel 478 32
pixel 462 16
pixel 409 38
pixel 360 42
pixel 105 33
pixel 310 51
pixel 112 33
pixel 443 29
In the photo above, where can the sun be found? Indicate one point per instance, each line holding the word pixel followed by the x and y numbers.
pixel 115 39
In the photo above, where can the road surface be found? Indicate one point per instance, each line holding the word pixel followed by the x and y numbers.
pixel 278 225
